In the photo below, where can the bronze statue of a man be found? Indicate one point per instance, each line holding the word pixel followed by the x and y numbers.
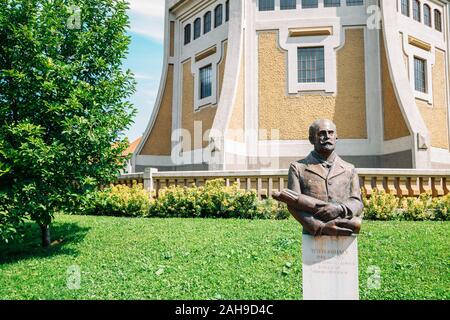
pixel 323 190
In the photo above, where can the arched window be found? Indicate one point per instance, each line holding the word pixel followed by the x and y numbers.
pixel 218 15
pixel 416 10
pixel 207 22
pixel 197 28
pixel 266 5
pixel 405 7
pixel 437 20
pixel 227 10
pixel 427 15
pixel 187 34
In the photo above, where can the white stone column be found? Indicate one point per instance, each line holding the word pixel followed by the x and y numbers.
pixel 330 268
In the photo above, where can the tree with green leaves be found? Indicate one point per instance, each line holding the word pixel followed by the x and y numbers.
pixel 63 105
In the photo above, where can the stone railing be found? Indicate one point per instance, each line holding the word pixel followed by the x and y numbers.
pixel 400 182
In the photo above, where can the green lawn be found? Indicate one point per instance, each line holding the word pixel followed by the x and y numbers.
pixel 122 258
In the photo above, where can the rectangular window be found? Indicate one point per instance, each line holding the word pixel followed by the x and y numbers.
pixel 266 5
pixel 332 3
pixel 206 82
pixel 420 75
pixel 310 4
pixel 311 64
pixel 288 4
pixel 437 20
pixel 227 10
pixel 405 7
pixel 355 3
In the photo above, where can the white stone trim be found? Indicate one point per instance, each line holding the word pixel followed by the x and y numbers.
pixel 397 145
pixel 235 147
pixel 162 85
pixel 146 160
pixel 410 27
pixel 429 56
pixel 402 86
pixel 212 60
pixel 374 99
pixel 346 147
pixel 439 155
pixel 330 43
pixel 231 79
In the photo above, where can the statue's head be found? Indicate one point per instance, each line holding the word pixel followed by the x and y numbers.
pixel 323 135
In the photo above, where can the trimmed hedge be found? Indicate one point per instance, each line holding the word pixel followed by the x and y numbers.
pixel 119 201
pixel 383 206
pixel 215 200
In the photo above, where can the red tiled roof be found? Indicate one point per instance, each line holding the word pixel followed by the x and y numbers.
pixel 132 147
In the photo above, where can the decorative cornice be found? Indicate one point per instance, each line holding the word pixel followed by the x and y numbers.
pixel 316 31
pixel 419 43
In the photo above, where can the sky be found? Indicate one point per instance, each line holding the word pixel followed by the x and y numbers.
pixel 145 58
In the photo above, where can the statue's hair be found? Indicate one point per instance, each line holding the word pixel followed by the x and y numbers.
pixel 315 126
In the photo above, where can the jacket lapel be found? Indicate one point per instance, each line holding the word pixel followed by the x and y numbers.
pixel 315 167
pixel 337 169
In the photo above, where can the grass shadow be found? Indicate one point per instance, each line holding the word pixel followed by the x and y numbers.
pixel 29 247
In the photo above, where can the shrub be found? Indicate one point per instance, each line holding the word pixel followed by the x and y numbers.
pixel 119 200
pixel 441 208
pixel 418 209
pixel 381 206
pixel 215 200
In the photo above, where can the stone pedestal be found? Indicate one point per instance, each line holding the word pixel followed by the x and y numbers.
pixel 330 268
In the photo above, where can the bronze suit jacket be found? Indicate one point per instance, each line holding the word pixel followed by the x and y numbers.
pixel 339 185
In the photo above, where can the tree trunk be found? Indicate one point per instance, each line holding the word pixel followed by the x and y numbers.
pixel 45 232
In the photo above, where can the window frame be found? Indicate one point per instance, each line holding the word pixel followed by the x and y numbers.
pixel 207 22
pixel 187 34
pixel 310 6
pixel 197 28
pixel 218 9
pixel 427 8
pixel 291 5
pixel 269 5
pixel 317 80
pixel 201 82
pixel 332 3
pixel 227 10
pixel 417 5
pixel 354 3
pixel 423 72
pixel 437 13
pixel 407 7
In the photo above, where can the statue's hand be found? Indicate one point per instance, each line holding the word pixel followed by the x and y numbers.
pixel 328 212
pixel 336 228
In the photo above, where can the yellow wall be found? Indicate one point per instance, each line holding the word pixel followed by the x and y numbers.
pixel 293 114
pixel 394 123
pixel 435 116
pixel 159 140
pixel 207 113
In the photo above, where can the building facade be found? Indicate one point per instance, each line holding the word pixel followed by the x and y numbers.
pixel 243 80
